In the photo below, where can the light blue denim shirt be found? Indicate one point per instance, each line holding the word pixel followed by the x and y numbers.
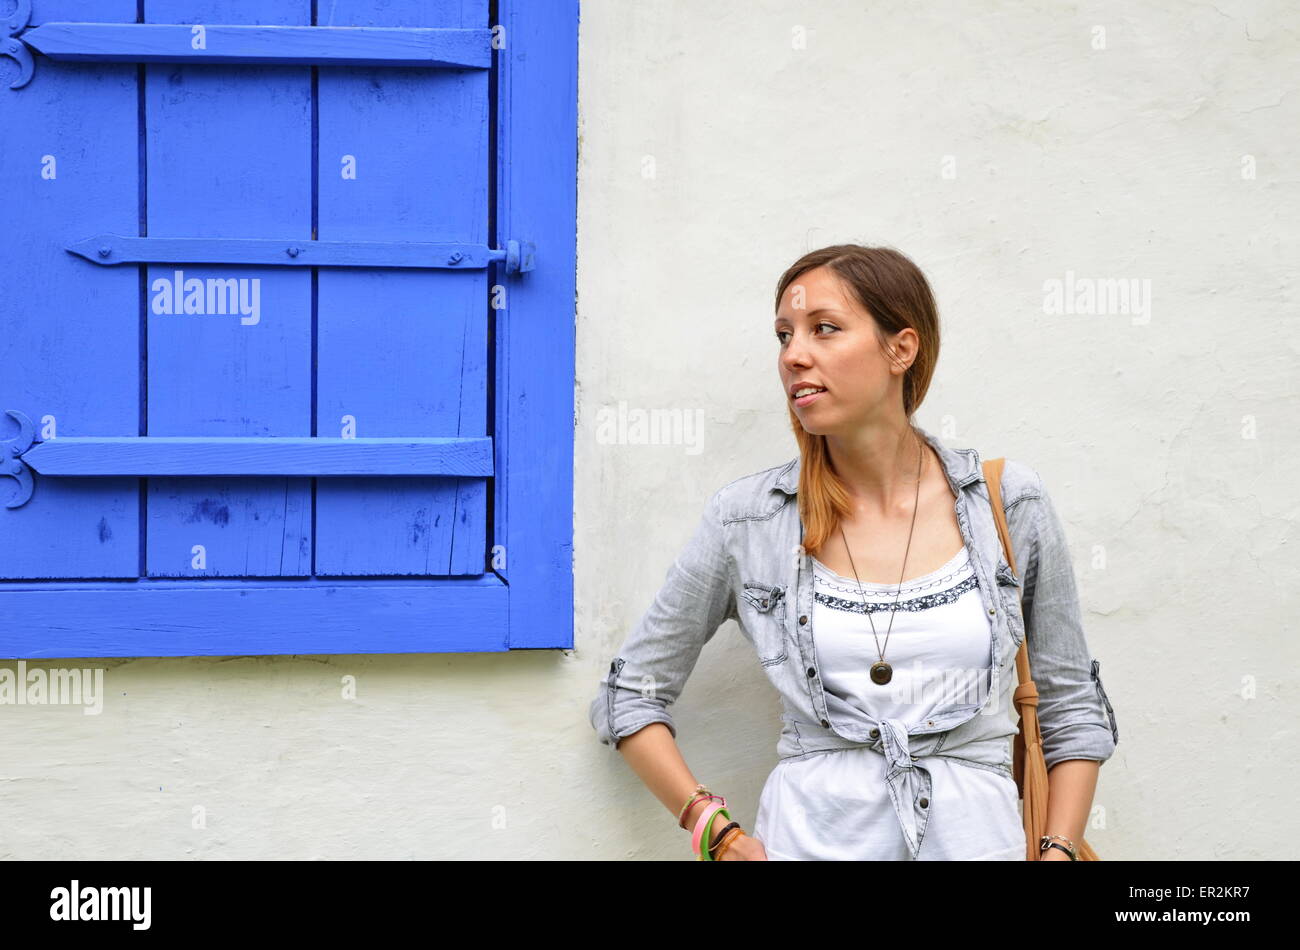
pixel 746 563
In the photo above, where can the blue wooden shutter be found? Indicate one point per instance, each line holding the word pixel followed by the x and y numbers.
pixel 288 345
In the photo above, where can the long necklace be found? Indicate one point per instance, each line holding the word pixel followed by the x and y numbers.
pixel 882 672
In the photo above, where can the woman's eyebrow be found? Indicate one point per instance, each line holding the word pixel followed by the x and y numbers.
pixel 813 313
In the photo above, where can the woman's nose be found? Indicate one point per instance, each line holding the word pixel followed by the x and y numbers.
pixel 793 355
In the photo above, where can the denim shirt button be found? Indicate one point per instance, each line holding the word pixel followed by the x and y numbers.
pixel 875 733
pixel 811 672
pixel 924 803
pixel 825 724
pixel 803 620
pixel 992 611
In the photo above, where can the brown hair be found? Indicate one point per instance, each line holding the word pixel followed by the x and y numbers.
pixel 896 295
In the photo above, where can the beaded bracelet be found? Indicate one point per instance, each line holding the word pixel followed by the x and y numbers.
pixel 700 793
pixel 695 794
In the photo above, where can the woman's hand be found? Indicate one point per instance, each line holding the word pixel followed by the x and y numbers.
pixel 745 848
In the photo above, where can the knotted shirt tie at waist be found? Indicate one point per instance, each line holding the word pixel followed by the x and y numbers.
pixel 909 784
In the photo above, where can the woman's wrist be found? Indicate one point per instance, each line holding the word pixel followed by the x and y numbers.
pixel 693 813
pixel 1054 847
pixel 721 831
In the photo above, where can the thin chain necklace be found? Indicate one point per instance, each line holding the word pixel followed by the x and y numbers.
pixel 882 672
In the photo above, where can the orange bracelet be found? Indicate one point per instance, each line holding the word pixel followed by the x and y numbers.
pixel 726 842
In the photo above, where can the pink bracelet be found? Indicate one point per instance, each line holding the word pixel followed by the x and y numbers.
pixel 710 810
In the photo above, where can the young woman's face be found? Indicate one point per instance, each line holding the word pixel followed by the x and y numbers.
pixel 828 340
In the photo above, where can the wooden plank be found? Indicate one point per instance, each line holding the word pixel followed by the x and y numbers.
pixel 70 332
pixel 224 618
pixel 217 455
pixel 402 157
pixel 228 153
pixel 265 44
pixel 537 142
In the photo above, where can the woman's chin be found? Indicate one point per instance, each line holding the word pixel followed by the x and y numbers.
pixel 815 426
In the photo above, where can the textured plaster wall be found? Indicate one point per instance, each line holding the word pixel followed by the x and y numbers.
pixel 1002 145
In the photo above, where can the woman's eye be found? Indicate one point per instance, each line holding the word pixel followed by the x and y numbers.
pixel 781 334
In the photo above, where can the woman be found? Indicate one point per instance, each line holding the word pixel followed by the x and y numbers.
pixel 898 722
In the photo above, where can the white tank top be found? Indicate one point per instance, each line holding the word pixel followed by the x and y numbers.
pixel 939 643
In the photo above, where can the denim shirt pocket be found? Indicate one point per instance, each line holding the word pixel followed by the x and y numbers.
pixel 1009 588
pixel 765 620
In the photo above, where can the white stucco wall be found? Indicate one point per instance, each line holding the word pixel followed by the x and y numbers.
pixel 1000 149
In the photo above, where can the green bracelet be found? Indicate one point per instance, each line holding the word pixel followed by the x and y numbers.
pixel 707 838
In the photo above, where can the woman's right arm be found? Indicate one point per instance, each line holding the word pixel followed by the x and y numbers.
pixel 651 668
pixel 652 753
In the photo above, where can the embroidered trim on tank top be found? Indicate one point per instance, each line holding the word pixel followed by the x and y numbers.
pixel 957 566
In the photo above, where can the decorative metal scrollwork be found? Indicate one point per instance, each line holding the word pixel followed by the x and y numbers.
pixel 15 48
pixel 11 451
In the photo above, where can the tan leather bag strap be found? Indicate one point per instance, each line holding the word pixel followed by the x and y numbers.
pixel 1026 694
pixel 1028 764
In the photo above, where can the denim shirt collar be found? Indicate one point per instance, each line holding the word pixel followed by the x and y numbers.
pixel 961 466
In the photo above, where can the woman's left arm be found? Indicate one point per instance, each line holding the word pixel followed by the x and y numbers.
pixel 1075 716
pixel 1070 787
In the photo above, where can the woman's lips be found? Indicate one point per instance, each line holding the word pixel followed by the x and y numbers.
pixel 809 399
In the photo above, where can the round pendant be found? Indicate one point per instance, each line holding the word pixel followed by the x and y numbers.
pixel 881 672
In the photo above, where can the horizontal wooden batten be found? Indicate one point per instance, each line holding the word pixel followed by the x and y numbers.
pixel 111 249
pixel 230 455
pixel 268 44
pixel 209 456
pixel 158 619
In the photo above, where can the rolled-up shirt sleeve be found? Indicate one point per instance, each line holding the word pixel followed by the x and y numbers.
pixel 650 670
pixel 1075 715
